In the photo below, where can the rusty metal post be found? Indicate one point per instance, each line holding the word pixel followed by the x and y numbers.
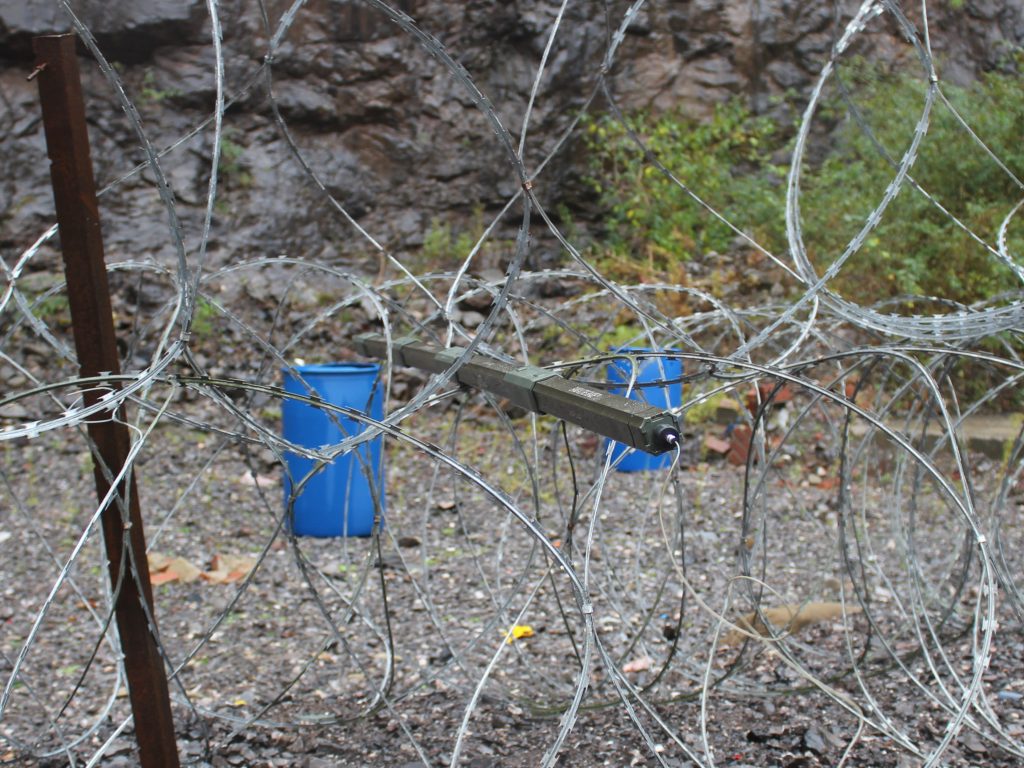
pixel 74 192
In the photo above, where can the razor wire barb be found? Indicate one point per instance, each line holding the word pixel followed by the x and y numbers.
pixel 666 597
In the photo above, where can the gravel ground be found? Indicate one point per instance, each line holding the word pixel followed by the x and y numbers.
pixel 499 588
pixel 287 666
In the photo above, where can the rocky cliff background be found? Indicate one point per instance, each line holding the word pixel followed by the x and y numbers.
pixel 389 131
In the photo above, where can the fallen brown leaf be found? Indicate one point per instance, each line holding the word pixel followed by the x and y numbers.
pixel 789 619
pixel 717 444
pixel 228 568
pixel 164 569
pixel 185 571
pixel 157 562
pixel 638 665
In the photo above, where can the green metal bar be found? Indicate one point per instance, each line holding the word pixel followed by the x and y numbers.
pixel 540 390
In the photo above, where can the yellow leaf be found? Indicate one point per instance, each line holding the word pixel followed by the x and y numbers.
pixel 519 631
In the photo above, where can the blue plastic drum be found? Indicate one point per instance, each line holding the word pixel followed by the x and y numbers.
pixel 337 501
pixel 649 369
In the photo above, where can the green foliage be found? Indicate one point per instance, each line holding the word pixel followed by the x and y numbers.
pixel 442 245
pixel 53 307
pixel 654 227
pixel 651 219
pixel 704 411
pixel 151 93
pixel 622 335
pixel 203 317
pixel 232 166
pixel 438 243
pixel 917 249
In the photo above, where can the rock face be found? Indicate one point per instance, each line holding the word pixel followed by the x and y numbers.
pixel 128 32
pixel 352 106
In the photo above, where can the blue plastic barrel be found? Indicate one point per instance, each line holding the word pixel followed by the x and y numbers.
pixel 649 369
pixel 337 501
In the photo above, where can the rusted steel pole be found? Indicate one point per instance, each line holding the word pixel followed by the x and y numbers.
pixel 74 192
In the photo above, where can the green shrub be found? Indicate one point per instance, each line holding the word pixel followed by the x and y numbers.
pixel 654 227
pixel 443 246
pixel 53 308
pixel 204 318
pixel 151 93
pixel 917 249
pixel 651 219
pixel 233 167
